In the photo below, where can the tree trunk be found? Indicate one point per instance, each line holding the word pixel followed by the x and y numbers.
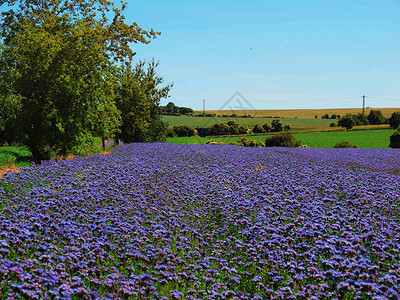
pixel 103 140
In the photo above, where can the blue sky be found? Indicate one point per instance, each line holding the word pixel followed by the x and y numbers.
pixel 277 54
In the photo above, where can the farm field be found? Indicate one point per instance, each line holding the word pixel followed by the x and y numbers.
pixel 302 113
pixel 298 124
pixel 361 138
pixel 204 222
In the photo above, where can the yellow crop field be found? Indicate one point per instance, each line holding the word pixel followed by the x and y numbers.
pixel 301 113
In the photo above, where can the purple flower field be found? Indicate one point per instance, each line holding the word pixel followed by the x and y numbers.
pixel 166 221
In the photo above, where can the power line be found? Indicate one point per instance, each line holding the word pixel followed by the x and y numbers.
pixel 384 99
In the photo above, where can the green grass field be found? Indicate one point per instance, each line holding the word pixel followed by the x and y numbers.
pixel 17 156
pixel 360 138
pixel 296 123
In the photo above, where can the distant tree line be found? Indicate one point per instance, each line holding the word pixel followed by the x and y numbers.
pixel 375 117
pixel 326 116
pixel 172 110
pixel 231 127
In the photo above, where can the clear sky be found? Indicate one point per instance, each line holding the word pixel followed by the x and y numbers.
pixel 276 53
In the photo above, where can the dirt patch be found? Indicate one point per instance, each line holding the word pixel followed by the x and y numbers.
pixel 12 168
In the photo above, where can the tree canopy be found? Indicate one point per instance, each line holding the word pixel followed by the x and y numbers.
pixel 59 63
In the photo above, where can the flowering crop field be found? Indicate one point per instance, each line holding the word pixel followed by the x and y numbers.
pixel 167 221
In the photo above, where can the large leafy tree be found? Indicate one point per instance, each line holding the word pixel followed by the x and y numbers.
pixel 140 91
pixel 58 59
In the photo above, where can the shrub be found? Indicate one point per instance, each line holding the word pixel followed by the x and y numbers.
pixel 375 117
pixel 395 140
pixel 248 143
pixel 258 129
pixel 184 130
pixel 344 144
pixel 394 120
pixel 347 121
pixel 277 125
pixel 228 128
pixel 170 132
pixel 215 142
pixel 287 127
pixel 360 119
pixel 284 139
pixel 266 127
pixel 333 125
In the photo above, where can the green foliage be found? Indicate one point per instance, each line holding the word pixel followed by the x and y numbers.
pixel 326 116
pixel 134 107
pixel 266 127
pixel 284 139
pixel 276 125
pixel 248 143
pixel 287 127
pixel 347 121
pixel 394 120
pixel 226 128
pixel 151 84
pixel 376 117
pixel 333 125
pixel 258 129
pixel 215 142
pixel 184 130
pixel 172 110
pixel 395 140
pixel 86 145
pixel 360 119
pixel 344 144
pixel 17 156
pixel 59 59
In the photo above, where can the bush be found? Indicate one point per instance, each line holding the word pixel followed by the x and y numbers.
pixel 248 143
pixel 394 120
pixel 184 130
pixel 266 127
pixel 170 132
pixel 360 119
pixel 287 127
pixel 347 121
pixel 276 125
pixel 285 139
pixel 333 125
pixel 375 117
pixel 344 144
pixel 215 142
pixel 258 129
pixel 395 140
pixel 228 128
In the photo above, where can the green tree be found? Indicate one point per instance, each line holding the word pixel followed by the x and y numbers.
pixel 284 139
pixel 376 117
pixel 394 120
pixel 134 108
pixel 276 125
pixel 258 129
pixel 151 84
pixel 59 58
pixel 395 140
pixel 347 122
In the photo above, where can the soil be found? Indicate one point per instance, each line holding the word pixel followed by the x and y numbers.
pixel 12 168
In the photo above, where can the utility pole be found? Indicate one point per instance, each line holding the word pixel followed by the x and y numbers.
pixel 204 108
pixel 363 111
